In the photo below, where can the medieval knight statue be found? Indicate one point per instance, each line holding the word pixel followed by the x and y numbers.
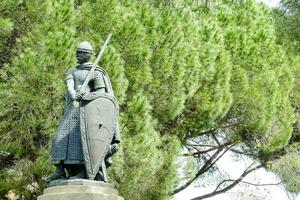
pixel 88 133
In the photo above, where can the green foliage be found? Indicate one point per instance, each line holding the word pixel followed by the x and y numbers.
pixel 263 94
pixel 17 18
pixel 288 168
pixel 37 75
pixel 16 178
pixel 6 27
pixel 287 17
pixel 177 70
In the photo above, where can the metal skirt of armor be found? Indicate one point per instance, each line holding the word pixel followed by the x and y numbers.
pixel 66 145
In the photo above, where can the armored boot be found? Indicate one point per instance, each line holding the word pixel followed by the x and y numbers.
pixel 58 174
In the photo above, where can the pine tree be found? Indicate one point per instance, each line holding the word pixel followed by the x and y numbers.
pixel 180 70
pixel 32 91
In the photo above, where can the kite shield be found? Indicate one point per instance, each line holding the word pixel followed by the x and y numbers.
pixel 98 123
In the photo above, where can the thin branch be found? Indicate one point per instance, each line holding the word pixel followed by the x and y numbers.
pixel 222 182
pixel 263 184
pixel 198 152
pixel 235 182
pixel 207 132
pixel 208 164
pixel 203 169
pixel 214 130
pixel 200 145
pixel 243 153
pixel 190 147
pixel 249 183
pixel 216 139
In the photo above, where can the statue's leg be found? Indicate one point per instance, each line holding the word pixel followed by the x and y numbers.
pixel 71 169
pixel 58 174
pixel 76 171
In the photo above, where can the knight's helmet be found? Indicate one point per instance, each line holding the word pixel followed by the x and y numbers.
pixel 85 47
pixel 84 52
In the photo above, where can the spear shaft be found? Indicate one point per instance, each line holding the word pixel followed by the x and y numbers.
pixel 90 73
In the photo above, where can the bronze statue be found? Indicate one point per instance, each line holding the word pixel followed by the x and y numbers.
pixel 88 134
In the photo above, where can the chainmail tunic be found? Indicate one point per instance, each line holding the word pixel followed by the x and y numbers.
pixel 66 145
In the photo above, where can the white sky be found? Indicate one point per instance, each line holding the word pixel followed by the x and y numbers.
pixel 270 3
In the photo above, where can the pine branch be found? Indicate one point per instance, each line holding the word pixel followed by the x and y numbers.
pixel 243 153
pixel 229 187
pixel 199 152
pixel 208 164
pixel 214 130
pixel 259 185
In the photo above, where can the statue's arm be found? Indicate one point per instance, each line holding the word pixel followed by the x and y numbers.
pixel 98 86
pixel 70 84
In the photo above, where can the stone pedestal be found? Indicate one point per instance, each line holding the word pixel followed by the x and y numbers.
pixel 80 189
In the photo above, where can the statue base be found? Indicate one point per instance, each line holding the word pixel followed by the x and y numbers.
pixel 80 189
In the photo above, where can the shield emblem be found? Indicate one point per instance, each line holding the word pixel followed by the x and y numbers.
pixel 98 122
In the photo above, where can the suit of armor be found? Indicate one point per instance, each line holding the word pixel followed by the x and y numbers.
pixel 88 132
pixel 66 145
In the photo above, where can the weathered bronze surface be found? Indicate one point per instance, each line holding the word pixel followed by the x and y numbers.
pixel 88 133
